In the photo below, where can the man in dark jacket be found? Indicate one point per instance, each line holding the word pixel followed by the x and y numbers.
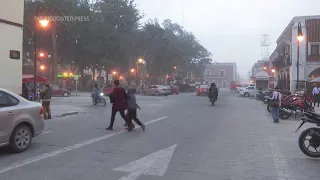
pixel 213 91
pixel 119 99
pixel 46 95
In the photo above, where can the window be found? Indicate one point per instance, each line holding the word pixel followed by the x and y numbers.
pixel 7 100
pixel 222 73
pixel 55 87
pixel 252 88
pixel 315 50
pixel 207 73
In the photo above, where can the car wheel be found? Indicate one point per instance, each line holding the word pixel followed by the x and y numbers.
pixel 20 139
pixel 65 94
pixel 246 94
pixel 156 93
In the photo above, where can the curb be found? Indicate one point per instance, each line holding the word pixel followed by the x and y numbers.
pixel 68 114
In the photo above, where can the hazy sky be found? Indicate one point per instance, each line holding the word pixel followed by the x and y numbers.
pixel 231 29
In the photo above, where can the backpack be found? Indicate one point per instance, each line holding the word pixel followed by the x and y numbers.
pixel 275 102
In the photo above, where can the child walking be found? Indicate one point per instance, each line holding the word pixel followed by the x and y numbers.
pixel 132 108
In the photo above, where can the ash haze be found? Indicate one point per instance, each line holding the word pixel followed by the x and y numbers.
pixel 231 29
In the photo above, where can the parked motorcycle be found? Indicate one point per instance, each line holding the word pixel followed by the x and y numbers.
pixel 98 99
pixel 297 107
pixel 313 134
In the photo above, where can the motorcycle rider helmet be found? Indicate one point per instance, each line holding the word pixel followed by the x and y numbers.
pixel 213 84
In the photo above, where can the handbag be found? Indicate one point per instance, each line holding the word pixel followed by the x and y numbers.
pixel 275 102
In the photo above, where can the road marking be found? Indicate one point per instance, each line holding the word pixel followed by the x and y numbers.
pixel 68 148
pixel 154 164
pixel 282 167
pixel 46 132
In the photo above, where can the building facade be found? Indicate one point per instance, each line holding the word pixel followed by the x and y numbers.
pixel 220 73
pixel 285 56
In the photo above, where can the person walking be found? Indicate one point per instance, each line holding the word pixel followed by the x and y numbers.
pixel 118 98
pixel 316 95
pixel 275 104
pixel 132 108
pixel 46 95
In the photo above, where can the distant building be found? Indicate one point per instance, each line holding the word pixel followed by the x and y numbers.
pixel 284 57
pixel 220 73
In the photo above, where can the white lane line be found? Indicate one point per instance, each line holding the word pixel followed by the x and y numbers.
pixel 46 132
pixel 282 166
pixel 68 148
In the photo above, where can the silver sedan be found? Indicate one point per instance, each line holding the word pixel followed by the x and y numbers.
pixel 20 121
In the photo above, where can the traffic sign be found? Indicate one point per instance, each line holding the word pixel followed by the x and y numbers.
pixel 76 77
pixel 110 77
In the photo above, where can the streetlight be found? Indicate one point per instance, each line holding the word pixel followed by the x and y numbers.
pixel 139 61
pixel 175 67
pixel 121 77
pixel 264 68
pixel 42 67
pixel 43 23
pixel 114 72
pixel 273 70
pixel 41 54
pixel 299 38
pixel 132 70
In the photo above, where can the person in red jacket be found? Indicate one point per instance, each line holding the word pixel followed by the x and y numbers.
pixel 118 99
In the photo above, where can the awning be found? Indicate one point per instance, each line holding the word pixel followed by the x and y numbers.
pixel 315 80
pixel 30 78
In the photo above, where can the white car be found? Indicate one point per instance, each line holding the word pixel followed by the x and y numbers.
pixel 248 91
pixel 20 121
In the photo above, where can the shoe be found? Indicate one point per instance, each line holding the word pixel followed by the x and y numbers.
pixel 143 127
pixel 125 125
pixel 109 128
pixel 276 121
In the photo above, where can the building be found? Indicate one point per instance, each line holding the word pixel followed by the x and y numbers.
pixel 284 57
pixel 260 65
pixel 11 32
pixel 220 73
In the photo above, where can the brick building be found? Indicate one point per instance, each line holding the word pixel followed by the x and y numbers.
pixel 285 55
pixel 220 73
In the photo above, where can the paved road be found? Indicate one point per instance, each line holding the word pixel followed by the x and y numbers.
pixel 185 139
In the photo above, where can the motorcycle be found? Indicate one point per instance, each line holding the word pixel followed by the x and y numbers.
pixel 212 99
pixel 98 99
pixel 314 133
pixel 285 101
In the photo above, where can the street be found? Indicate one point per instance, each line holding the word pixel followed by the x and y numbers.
pixel 186 138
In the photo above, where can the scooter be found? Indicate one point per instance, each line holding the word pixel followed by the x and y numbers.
pixel 98 99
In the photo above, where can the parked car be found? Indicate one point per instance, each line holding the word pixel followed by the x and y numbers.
pixel 174 89
pixel 20 121
pixel 203 90
pixel 156 90
pixel 248 91
pixel 107 90
pixel 187 88
pixel 57 91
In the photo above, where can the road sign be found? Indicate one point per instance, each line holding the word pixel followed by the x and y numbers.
pixel 110 77
pixel 76 77
pixel 154 164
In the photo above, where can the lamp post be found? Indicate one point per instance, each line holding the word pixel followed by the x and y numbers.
pixel 139 61
pixel 299 38
pixel 43 23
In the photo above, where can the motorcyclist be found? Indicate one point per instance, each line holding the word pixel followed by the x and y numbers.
pixel 213 91
pixel 96 92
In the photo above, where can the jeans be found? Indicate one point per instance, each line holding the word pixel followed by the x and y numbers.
pixel 113 116
pixel 275 113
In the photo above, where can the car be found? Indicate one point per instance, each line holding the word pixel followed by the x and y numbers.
pixel 107 90
pixel 20 121
pixel 157 90
pixel 57 91
pixel 203 90
pixel 248 91
pixel 186 88
pixel 174 89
